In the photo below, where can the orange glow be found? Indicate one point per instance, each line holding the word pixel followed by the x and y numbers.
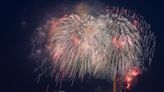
pixel 75 39
pixel 57 53
pixel 135 71
pixel 128 85
pixel 118 42
pixel 129 78
pixel 53 23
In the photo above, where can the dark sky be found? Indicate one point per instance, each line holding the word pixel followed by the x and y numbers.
pixel 20 19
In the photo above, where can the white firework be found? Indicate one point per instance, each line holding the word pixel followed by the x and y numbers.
pixel 103 46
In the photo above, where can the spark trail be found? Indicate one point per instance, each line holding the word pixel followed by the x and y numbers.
pixel 103 45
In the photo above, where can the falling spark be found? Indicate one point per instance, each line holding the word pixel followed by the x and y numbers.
pixel 102 45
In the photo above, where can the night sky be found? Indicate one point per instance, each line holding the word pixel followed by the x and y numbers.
pixel 20 19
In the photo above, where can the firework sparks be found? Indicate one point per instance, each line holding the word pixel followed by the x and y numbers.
pixel 131 76
pixel 110 43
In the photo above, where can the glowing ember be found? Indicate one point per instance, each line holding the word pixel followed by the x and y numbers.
pixel 131 76
pixel 135 72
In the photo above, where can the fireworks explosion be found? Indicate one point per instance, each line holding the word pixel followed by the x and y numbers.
pixel 111 42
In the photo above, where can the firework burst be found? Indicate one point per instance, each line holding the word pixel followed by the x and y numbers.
pixel 112 42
